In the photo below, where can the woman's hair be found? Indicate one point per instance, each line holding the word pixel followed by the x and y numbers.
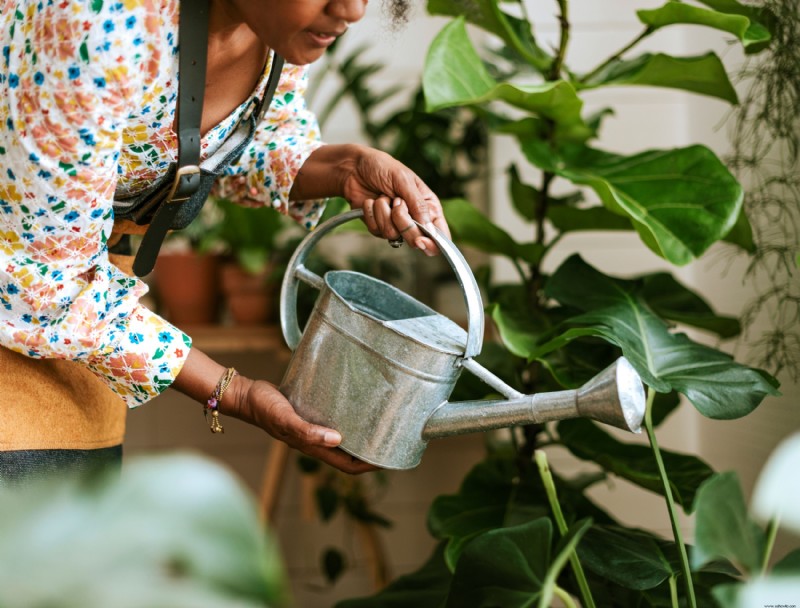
pixel 399 12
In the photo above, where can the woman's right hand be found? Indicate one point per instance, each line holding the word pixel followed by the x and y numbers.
pixel 260 403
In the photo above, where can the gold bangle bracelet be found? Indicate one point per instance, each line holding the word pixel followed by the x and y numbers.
pixel 211 409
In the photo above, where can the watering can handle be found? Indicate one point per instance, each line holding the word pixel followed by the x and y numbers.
pixel 296 271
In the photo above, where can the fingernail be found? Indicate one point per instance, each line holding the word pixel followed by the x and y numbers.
pixel 332 438
pixel 396 202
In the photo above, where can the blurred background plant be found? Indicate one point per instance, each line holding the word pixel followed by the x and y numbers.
pixel 176 531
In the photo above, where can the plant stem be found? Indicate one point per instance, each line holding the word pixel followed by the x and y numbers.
pixel 673 514
pixel 561 523
pixel 587 77
pixel 673 591
pixel 563 19
pixel 564 597
pixel 772 532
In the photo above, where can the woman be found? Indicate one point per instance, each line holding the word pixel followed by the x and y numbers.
pixel 87 113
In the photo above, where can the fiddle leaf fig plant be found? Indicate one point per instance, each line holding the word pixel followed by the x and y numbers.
pixel 557 329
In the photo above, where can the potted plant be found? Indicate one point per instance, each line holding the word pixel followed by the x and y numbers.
pixel 186 274
pixel 254 240
pixel 518 533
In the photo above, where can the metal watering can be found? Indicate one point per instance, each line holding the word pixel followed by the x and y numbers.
pixel 378 366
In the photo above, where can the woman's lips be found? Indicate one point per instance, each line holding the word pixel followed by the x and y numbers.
pixel 324 39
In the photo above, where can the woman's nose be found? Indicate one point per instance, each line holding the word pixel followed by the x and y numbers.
pixel 347 10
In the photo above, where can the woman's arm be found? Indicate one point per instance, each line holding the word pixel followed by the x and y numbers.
pixel 260 403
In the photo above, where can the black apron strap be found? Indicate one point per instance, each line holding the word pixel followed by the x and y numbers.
pixel 193 41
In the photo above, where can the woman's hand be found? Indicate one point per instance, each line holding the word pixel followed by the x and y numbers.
pixel 260 403
pixel 392 196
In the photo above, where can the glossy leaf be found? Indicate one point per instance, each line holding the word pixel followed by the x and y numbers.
pixel 789 565
pixel 512 567
pixel 495 494
pixel 571 219
pixel 702 74
pixel 680 201
pixel 470 227
pixel 486 14
pixel 423 588
pixel 749 33
pixel 741 234
pixel 525 197
pixel 454 75
pixel 615 311
pixel 630 558
pixel 634 462
pixel 719 511
pixel 176 531
pixel 672 300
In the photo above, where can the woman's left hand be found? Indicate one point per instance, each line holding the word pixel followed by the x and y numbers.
pixel 392 196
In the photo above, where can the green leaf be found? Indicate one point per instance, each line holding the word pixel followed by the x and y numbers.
pixel 470 227
pixel 789 565
pixel 152 536
pixel 523 196
pixel 702 74
pixel 672 12
pixel 741 234
pixel 571 219
pixel 634 462
pixel 512 567
pixel 680 201
pixel 495 494
pixel 486 14
pixel 424 588
pixel 97 6
pixel 615 311
pixel 454 75
pixel 672 300
pixel 630 558
pixel 722 526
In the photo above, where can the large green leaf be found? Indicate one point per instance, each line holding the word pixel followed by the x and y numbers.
pixel 423 588
pixel 512 567
pixel 470 227
pixel 570 219
pixel 496 494
pixel 454 75
pixel 615 311
pixel 720 510
pixel 634 462
pixel 175 531
pixel 702 74
pixel 630 558
pixel 486 14
pixel 680 201
pixel 672 300
pixel 748 32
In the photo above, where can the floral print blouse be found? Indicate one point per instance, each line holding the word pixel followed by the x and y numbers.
pixel 87 103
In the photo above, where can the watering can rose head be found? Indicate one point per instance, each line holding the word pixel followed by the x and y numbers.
pixel 379 366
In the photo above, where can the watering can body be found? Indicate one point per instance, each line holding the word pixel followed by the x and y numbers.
pixel 379 366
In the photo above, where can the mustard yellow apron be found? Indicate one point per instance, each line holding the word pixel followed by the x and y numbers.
pixel 50 404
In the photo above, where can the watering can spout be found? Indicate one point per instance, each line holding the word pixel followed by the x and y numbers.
pixel 615 396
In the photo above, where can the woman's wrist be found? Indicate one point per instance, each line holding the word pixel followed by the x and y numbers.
pixel 326 171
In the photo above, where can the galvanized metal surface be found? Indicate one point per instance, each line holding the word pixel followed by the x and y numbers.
pixel 379 366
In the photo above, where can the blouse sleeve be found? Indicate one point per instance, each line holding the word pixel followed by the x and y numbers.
pixel 287 135
pixel 71 75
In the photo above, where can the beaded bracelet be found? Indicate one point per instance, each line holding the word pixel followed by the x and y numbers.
pixel 211 409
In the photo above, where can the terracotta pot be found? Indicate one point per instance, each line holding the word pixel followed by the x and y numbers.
pixel 187 285
pixel 250 298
